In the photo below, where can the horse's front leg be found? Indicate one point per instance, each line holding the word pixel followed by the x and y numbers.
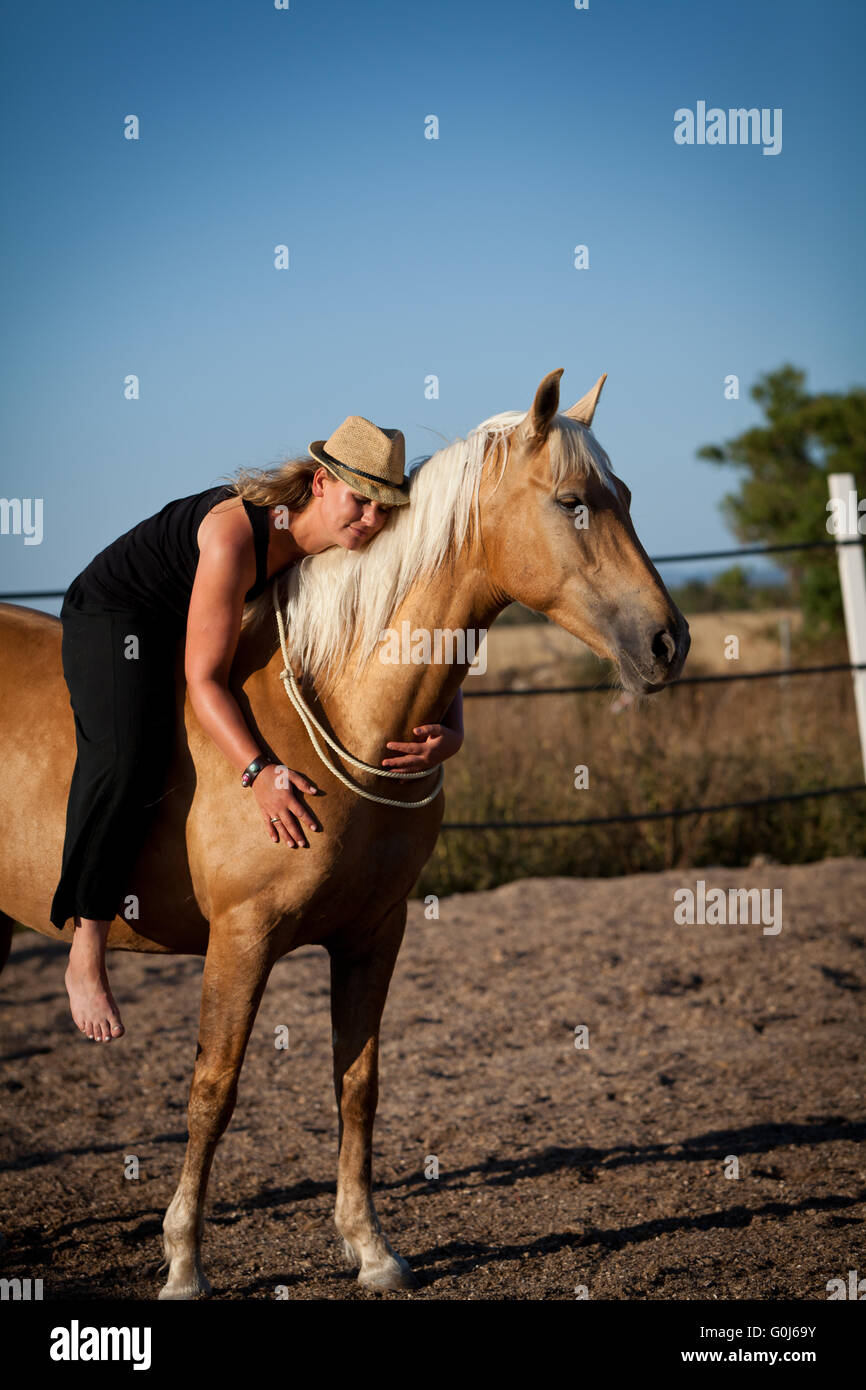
pixel 235 974
pixel 359 986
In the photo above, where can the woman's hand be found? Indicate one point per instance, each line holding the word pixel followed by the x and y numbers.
pixel 274 792
pixel 438 742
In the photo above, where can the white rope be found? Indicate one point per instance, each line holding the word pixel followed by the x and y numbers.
pixel 308 719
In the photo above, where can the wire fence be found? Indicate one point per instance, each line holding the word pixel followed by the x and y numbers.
pixel 598 687
pixel 656 560
pixel 778 674
pixel 672 814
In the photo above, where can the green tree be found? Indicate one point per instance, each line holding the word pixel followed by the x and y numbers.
pixel 733 588
pixel 782 497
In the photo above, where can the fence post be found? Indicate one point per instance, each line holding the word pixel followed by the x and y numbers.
pixel 785 681
pixel 852 579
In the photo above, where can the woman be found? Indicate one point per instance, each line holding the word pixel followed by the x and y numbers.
pixel 185 574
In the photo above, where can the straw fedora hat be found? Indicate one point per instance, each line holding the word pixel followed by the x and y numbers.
pixel 370 460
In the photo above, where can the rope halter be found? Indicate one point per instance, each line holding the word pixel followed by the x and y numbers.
pixel 309 721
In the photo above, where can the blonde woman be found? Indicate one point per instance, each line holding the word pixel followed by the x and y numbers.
pixel 186 574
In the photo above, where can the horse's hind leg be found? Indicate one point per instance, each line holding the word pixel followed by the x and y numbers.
pixel 235 974
pixel 359 986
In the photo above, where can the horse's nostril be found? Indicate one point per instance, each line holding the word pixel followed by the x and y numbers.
pixel 664 646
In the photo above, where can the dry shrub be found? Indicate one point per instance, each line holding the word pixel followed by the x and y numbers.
pixel 687 746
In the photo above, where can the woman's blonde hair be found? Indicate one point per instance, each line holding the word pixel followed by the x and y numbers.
pixel 288 484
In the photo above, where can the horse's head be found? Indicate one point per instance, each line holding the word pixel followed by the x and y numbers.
pixel 560 540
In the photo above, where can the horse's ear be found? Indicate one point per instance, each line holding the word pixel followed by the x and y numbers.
pixel 584 410
pixel 544 407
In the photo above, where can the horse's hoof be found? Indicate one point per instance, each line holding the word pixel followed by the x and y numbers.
pixel 197 1287
pixel 390 1276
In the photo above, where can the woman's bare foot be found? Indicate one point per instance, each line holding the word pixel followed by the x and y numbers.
pixel 90 999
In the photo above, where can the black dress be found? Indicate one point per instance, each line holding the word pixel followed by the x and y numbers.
pixel 123 618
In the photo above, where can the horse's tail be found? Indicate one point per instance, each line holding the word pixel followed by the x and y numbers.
pixel 7 926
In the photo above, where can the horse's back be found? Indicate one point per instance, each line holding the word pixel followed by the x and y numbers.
pixel 38 741
pixel 29 643
pixel 37 723
pixel 38 755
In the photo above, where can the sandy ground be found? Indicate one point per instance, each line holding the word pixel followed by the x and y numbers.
pixel 558 1168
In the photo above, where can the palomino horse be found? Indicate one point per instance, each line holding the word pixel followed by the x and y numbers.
pixel 492 519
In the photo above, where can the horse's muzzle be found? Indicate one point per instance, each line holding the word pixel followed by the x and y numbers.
pixel 656 659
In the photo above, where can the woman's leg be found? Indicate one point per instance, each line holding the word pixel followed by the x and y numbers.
pixel 120 673
pixel 91 1001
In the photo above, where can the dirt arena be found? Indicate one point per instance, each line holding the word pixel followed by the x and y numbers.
pixel 559 1168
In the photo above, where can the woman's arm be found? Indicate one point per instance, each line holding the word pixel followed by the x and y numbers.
pixel 225 571
pixel 213 626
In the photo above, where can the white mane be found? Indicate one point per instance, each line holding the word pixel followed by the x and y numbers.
pixel 338 598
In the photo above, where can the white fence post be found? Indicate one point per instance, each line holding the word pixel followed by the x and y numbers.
pixel 852 578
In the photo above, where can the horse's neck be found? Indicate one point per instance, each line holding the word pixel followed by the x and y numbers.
pixel 387 699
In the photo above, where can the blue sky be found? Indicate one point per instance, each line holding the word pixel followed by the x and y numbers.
pixel 408 256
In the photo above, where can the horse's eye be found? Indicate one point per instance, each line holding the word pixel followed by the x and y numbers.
pixel 570 503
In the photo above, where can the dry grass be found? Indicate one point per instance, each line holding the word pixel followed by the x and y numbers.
pixel 538 653
pixel 691 746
